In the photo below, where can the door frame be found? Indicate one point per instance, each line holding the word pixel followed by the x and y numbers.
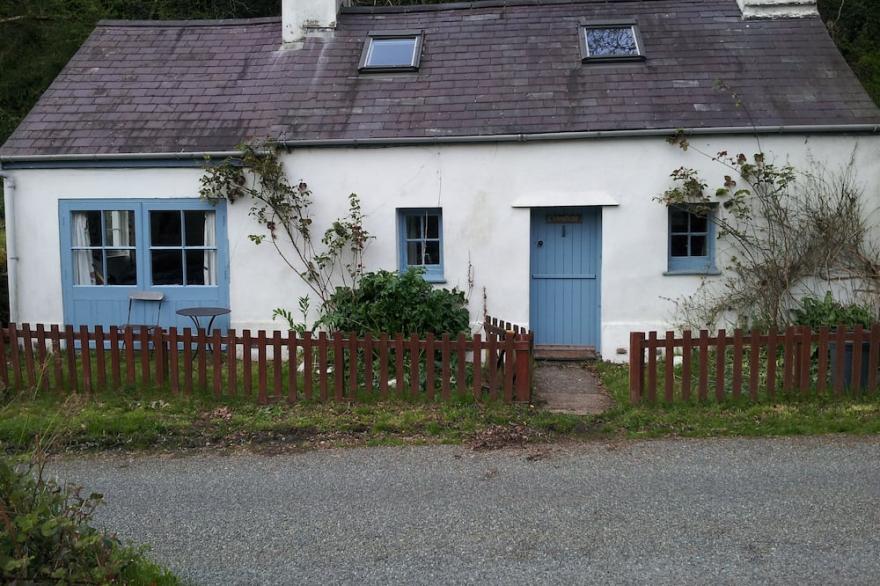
pixel 598 211
pixel 141 206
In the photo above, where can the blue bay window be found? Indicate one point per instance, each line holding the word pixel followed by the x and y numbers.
pixel 421 241
pixel 691 240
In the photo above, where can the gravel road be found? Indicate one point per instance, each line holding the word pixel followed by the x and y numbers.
pixel 792 511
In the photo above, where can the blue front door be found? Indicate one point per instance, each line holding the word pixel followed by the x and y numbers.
pixel 565 265
pixel 111 248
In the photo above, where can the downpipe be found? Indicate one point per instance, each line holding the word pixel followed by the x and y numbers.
pixel 11 248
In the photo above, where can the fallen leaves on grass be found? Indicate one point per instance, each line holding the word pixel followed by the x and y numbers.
pixel 496 437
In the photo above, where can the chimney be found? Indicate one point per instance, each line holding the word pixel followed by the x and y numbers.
pixel 777 8
pixel 301 17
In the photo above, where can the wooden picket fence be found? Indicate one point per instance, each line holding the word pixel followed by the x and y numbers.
pixel 272 366
pixel 795 360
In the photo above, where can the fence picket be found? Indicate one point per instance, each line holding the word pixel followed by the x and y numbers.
pixel 55 336
pixel 822 370
pixel 669 367
pixel 477 366
pixel 414 365
pixel 352 366
pixel 308 390
pixel 461 372
pixel 687 354
pixel 85 357
pixel 703 386
pixel 292 360
pixel 874 358
pixel 754 364
pixel 857 337
pixel 652 367
pixel 72 375
pixel 492 364
pixel 187 362
pixel 145 356
pixel 399 387
pixel 322 365
pixel 737 363
pixel 508 367
pixel 720 365
pixel 231 364
pixel 788 354
pixel 100 364
pixel 202 352
pixel 42 360
pixel 278 364
pixel 246 363
pixel 338 366
pixel 383 366
pixel 840 345
pixel 445 367
pixel 772 345
pixel 28 348
pixel 128 342
pixel 429 366
pixel 115 363
pixel 368 364
pixel 174 364
pixel 805 360
pixel 159 351
pixel 262 398
pixel 217 367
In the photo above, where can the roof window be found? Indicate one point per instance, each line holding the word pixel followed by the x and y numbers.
pixel 611 41
pixel 392 51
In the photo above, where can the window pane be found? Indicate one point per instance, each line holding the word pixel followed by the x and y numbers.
pixel 612 42
pixel 391 52
pixel 679 246
pixel 165 228
pixel 119 228
pixel 678 219
pixel 86 229
pixel 414 226
pixel 201 267
pixel 698 246
pixel 167 267
pixel 432 252
pixel 413 253
pixel 698 223
pixel 199 228
pixel 433 227
pixel 121 267
pixel 88 267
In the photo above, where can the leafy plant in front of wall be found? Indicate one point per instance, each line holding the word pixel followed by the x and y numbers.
pixel 783 229
pixel 391 302
pixel 828 312
pixel 284 211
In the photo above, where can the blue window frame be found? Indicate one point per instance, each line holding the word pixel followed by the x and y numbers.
pixel 691 240
pixel 421 241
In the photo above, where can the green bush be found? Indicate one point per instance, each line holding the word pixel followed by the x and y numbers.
pixel 828 312
pixel 45 536
pixel 394 303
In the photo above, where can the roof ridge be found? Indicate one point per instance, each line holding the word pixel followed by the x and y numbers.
pixel 189 23
pixel 475 4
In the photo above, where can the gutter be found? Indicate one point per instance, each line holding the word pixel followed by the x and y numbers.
pixel 11 248
pixel 197 158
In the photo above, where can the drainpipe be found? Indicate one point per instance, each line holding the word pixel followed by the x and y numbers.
pixel 11 251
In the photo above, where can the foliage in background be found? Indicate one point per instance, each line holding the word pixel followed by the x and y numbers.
pixel 47 535
pixel 827 312
pixel 284 211
pixel 784 228
pixel 397 303
pixel 855 27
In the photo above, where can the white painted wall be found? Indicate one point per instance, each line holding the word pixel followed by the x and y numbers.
pixel 476 185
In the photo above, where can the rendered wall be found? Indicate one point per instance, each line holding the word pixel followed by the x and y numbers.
pixel 477 186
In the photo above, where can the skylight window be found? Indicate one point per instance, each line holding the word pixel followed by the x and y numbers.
pixel 611 42
pixel 392 51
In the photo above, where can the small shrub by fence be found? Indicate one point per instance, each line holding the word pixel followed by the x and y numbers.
pixel 271 366
pixel 753 364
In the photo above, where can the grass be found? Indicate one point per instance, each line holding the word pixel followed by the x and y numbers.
pixel 153 419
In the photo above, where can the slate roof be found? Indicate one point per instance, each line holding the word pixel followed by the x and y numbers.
pixel 487 68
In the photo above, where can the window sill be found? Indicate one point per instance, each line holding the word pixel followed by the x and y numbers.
pixel 436 280
pixel 692 272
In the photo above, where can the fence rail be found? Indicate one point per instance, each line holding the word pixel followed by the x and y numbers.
pixel 797 359
pixel 272 366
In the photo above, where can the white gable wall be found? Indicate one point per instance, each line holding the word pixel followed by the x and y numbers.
pixel 477 187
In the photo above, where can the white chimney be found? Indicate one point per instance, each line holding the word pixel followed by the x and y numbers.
pixel 300 17
pixel 778 8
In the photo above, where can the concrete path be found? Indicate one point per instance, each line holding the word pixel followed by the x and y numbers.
pixel 569 387
pixel 663 512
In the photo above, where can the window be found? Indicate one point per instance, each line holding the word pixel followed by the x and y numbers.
pixel 691 240
pixel 421 241
pixel 611 42
pixel 103 248
pixel 183 248
pixel 391 51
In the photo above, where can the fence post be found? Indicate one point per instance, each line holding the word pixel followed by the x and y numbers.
pixel 636 366
pixel 523 369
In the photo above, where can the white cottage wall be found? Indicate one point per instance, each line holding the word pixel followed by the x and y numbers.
pixel 477 186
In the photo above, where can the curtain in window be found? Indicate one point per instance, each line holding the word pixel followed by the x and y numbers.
pixel 210 255
pixel 83 270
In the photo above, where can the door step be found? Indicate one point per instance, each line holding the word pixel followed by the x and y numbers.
pixel 566 353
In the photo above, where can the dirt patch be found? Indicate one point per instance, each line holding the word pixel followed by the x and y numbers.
pixel 570 387
pixel 496 437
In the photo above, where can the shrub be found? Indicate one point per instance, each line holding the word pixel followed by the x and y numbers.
pixel 397 303
pixel 46 536
pixel 817 313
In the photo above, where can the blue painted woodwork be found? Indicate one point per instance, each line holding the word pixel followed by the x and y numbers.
pixel 566 261
pixel 691 260
pixel 434 273
pixel 107 305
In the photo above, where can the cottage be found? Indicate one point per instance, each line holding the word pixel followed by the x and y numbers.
pixel 515 143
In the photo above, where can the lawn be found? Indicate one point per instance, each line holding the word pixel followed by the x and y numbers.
pixel 134 419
